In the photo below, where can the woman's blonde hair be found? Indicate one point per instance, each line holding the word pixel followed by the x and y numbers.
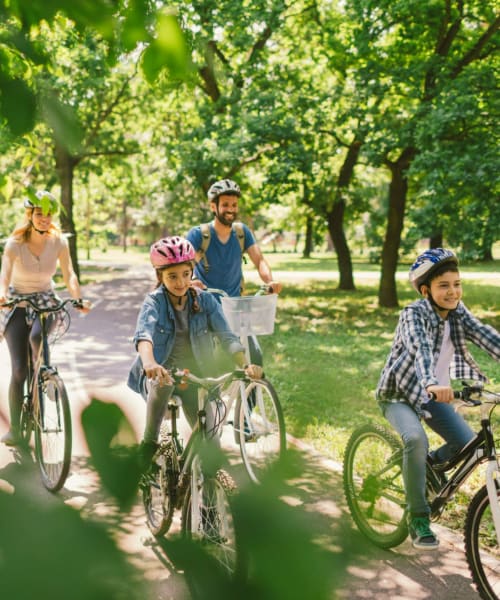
pixel 23 231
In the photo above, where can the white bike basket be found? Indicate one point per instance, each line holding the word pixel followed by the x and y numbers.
pixel 250 315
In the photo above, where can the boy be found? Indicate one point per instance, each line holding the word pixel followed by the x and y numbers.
pixel 429 347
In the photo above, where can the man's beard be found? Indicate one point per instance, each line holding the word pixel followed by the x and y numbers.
pixel 224 221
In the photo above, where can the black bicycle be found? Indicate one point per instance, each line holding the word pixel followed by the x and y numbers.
pixel 373 487
pixel 46 411
pixel 180 477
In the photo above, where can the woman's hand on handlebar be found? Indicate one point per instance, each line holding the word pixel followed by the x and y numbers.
pixel 84 307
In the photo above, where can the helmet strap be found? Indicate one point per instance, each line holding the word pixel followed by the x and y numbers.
pixel 37 230
pixel 436 305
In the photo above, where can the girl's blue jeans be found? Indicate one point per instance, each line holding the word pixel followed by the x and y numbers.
pixel 446 422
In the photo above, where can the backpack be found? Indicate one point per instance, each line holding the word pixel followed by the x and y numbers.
pixel 205 241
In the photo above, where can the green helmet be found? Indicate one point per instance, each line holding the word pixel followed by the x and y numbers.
pixel 42 199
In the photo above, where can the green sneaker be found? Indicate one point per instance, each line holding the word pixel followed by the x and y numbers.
pixel 421 533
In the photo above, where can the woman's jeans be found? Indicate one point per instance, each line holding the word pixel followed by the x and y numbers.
pixel 446 422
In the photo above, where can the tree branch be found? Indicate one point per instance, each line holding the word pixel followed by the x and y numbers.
pixel 475 52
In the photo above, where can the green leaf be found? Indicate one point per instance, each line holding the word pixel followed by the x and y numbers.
pixel 116 463
pixel 18 105
pixel 63 121
pixel 168 51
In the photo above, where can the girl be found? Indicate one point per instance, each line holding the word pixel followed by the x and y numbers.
pixel 175 327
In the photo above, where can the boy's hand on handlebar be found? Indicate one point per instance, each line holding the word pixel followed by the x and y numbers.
pixel 157 373
pixel 441 393
pixel 254 371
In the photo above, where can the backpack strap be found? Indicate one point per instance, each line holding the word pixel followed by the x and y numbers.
pixel 240 234
pixel 237 227
pixel 205 243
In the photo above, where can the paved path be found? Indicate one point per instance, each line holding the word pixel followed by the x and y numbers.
pixel 94 358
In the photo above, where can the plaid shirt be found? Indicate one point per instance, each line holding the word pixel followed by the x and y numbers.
pixel 409 369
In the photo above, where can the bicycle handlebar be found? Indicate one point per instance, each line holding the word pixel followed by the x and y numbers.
pixel 77 303
pixel 464 397
pixel 180 376
pixel 265 288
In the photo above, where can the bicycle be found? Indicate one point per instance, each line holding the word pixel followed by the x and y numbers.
pixel 373 487
pixel 45 410
pixel 258 422
pixel 180 479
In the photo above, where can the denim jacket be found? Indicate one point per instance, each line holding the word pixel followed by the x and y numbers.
pixel 156 323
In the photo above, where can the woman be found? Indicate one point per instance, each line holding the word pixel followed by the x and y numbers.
pixel 29 262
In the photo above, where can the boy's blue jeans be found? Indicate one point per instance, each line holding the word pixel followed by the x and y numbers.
pixel 446 422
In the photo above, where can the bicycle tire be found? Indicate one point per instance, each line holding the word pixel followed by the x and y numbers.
pixel 481 545
pixel 157 491
pixel 373 485
pixel 207 515
pixel 52 426
pixel 259 428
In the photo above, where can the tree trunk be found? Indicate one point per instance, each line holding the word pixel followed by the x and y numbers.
pixel 308 243
pixel 398 190
pixel 335 219
pixel 65 167
pixel 436 240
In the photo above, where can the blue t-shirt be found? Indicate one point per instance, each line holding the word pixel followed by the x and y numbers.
pixel 224 260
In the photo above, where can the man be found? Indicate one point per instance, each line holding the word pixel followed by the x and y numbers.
pixel 220 244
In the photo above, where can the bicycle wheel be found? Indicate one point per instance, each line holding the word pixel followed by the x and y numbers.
pixel 53 436
pixel 207 515
pixel 373 485
pixel 481 545
pixel 259 428
pixel 157 491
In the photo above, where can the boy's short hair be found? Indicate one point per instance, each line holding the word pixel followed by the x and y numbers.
pixel 440 270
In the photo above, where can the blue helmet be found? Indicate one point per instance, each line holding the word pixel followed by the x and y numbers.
pixel 428 262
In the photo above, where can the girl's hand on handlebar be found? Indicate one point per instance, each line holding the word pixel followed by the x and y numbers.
pixel 3 300
pixel 254 371
pixel 441 393
pixel 157 373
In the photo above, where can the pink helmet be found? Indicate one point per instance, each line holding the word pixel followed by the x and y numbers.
pixel 171 251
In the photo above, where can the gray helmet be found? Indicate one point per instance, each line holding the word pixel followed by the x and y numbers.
pixel 224 186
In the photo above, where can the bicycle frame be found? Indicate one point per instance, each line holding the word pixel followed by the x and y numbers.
pixel 479 450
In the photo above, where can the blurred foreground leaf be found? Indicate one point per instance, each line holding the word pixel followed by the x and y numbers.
pixel 48 551
pixel 106 427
